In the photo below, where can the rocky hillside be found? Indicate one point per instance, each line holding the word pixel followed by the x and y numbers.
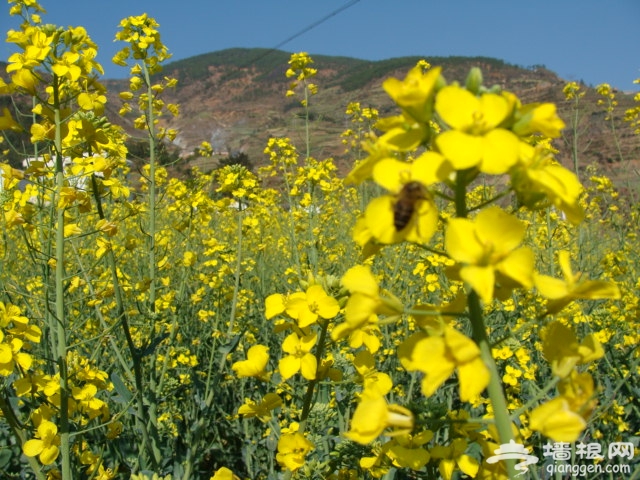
pixel 235 100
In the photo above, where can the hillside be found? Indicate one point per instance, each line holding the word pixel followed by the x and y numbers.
pixel 235 100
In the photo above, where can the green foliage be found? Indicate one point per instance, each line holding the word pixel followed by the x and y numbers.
pixel 237 158
pixel 139 151
pixel 266 63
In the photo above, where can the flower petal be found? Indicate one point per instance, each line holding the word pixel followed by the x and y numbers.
pixel 499 230
pixel 555 420
pixel 288 366
pixel 500 151
pixel 379 220
pixel 309 366
pixel 461 149
pixel 456 106
pixel 461 242
pixel 474 377
pixel 481 279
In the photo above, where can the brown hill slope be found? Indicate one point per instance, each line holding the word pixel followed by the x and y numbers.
pixel 235 100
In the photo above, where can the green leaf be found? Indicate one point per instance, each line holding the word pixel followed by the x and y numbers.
pixel 121 388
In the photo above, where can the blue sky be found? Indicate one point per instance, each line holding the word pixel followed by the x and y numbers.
pixel 588 40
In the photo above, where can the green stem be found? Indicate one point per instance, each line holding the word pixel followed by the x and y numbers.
pixel 574 124
pixel 152 191
pixel 306 123
pixel 61 332
pixel 136 356
pixel 151 415
pixel 308 397
pixel 236 281
pixel 496 393
pixel 479 334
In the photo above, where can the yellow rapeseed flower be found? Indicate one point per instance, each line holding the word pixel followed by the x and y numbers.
pixel 487 250
pixel 8 123
pixel 538 118
pixel 556 420
pixel 374 415
pixel 45 446
pixel 414 94
pixel 476 138
pixel 563 351
pixel 366 299
pixel 300 358
pixel 453 457
pixel 306 307
pixel 539 181
pixel 375 383
pixel 562 292
pixel 223 473
pixel 439 356
pixel 292 450
pixel 261 410
pixel 255 365
pixel 10 355
pixel 407 450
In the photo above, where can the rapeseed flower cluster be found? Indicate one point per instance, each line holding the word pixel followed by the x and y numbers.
pixel 446 137
pixel 300 70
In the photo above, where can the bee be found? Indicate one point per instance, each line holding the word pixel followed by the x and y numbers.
pixel 406 204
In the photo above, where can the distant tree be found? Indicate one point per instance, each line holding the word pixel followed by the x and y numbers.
pixel 237 158
pixel 139 152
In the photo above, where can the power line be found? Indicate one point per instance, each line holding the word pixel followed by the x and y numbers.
pixel 316 23
pixel 304 30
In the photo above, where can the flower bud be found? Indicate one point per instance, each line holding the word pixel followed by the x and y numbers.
pixel 474 80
